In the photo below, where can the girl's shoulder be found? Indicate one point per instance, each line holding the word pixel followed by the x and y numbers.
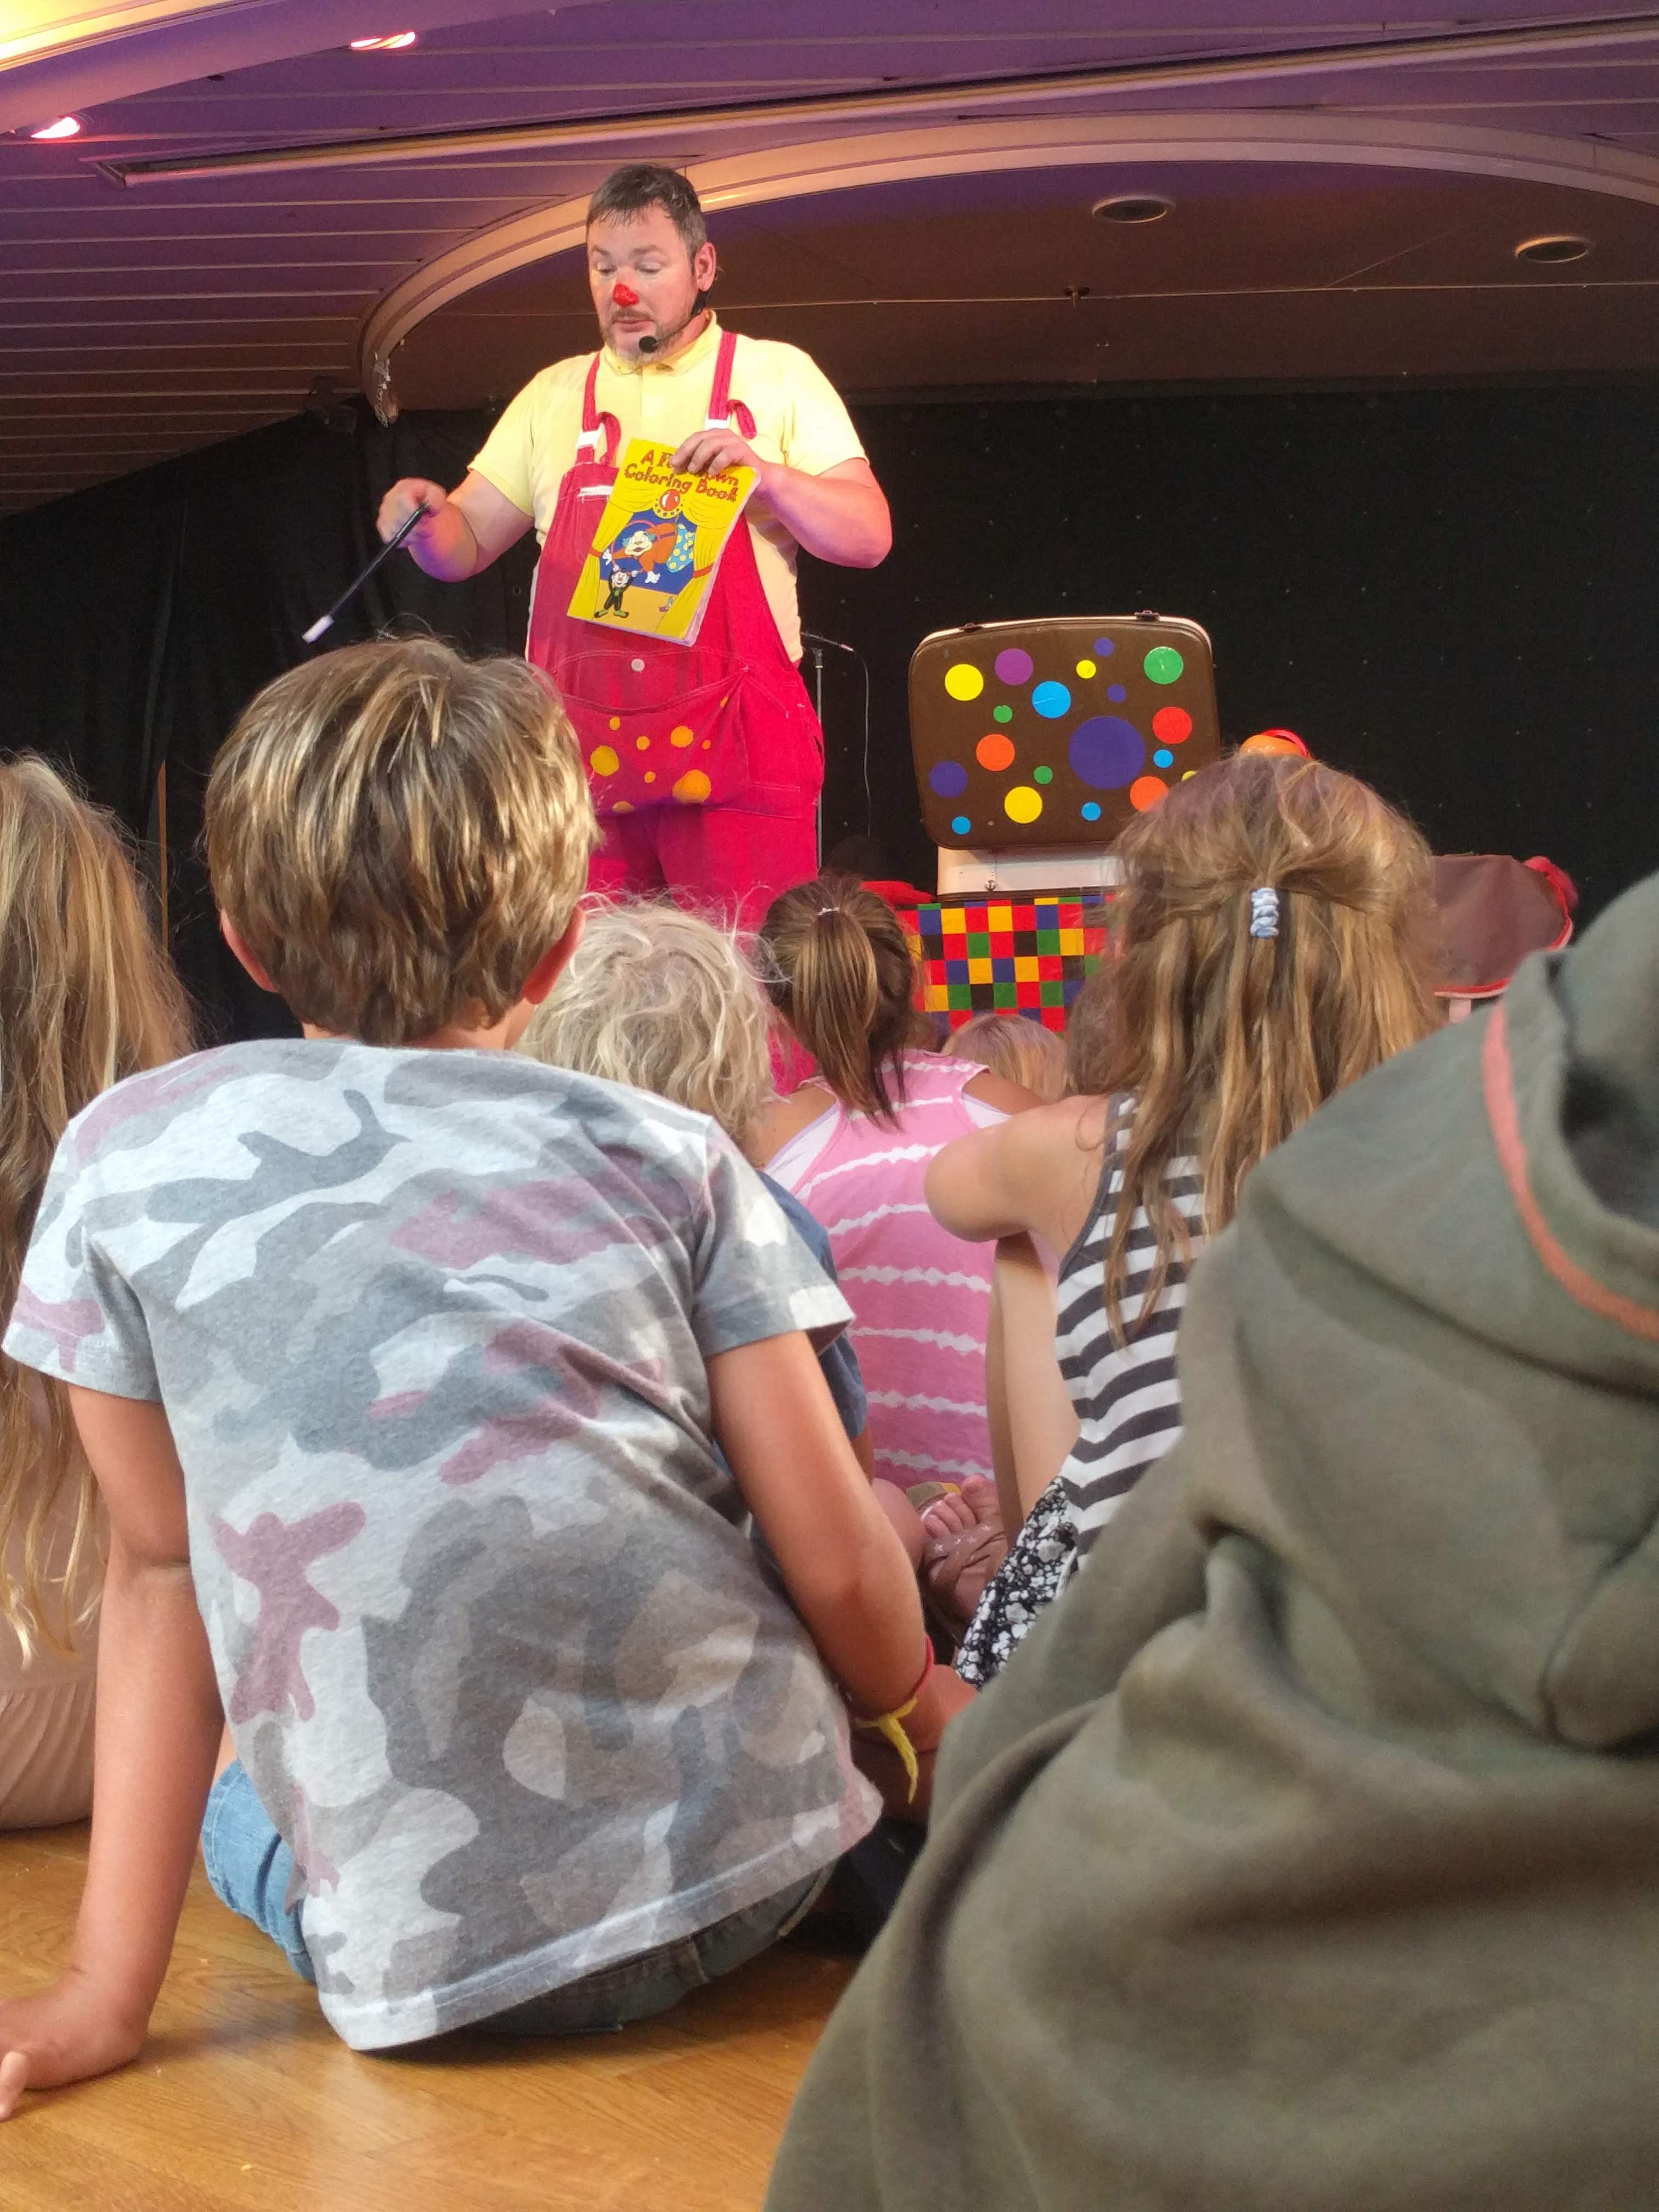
pixel 935 1078
pixel 784 1120
pixel 1055 1160
pixel 1090 1122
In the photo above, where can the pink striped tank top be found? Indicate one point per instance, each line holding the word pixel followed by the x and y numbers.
pixel 920 1298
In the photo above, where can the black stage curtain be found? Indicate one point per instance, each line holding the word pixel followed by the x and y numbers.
pixel 1449 592
pixel 141 616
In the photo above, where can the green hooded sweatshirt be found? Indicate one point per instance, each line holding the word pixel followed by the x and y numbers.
pixel 1306 1857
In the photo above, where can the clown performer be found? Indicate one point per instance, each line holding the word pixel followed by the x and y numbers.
pixel 706 760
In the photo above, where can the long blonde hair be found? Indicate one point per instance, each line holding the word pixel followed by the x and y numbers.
pixel 665 1001
pixel 86 998
pixel 838 969
pixel 1226 1041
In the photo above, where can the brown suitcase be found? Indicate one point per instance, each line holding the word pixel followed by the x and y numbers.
pixel 1055 732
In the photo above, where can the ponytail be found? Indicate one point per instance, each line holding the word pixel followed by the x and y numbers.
pixel 838 967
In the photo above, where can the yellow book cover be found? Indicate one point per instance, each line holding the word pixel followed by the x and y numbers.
pixel 659 543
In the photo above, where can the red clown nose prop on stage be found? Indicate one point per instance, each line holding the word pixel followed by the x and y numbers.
pixel 621 296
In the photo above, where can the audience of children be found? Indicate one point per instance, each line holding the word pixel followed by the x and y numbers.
pixel 1306 1857
pixel 664 1000
pixel 1272 943
pixel 853 1143
pixel 431 1387
pixel 86 998
pixel 400 1361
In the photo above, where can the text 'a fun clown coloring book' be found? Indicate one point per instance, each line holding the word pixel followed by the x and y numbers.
pixel 657 545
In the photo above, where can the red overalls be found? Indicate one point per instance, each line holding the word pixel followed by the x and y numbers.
pixel 705 760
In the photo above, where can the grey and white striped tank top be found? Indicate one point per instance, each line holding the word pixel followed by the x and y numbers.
pixel 1127 1399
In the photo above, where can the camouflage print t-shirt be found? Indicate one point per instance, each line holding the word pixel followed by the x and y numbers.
pixel 495 1650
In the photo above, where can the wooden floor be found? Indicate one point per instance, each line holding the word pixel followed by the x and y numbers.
pixel 244 2098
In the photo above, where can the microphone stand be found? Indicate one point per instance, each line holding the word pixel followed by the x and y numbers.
pixel 815 640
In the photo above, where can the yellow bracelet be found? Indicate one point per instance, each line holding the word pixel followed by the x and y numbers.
pixel 892 1726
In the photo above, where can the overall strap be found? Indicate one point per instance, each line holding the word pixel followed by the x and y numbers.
pixel 722 408
pixel 595 425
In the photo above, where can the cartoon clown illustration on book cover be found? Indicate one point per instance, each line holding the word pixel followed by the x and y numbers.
pixel 653 550
pixel 658 544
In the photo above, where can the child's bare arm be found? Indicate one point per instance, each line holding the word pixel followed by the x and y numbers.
pixel 158 1727
pixel 1034 1424
pixel 842 1563
pixel 844 1568
pixel 1035 1171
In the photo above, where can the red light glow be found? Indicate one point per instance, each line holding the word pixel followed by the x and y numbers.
pixel 384 45
pixel 67 126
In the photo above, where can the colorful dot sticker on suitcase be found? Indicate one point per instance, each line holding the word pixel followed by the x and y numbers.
pixel 1024 957
pixel 1058 731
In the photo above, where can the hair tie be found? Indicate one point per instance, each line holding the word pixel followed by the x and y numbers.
pixel 1264 911
pixel 823 910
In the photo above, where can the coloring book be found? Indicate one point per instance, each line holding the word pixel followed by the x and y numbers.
pixel 659 544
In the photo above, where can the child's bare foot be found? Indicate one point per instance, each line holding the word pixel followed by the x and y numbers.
pixel 951 1514
pixel 966 1545
pixel 958 1511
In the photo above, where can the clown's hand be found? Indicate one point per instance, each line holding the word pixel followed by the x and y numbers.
pixel 706 452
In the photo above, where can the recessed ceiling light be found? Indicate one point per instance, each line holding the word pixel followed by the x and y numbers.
pixel 386 45
pixel 1131 207
pixel 1558 246
pixel 67 126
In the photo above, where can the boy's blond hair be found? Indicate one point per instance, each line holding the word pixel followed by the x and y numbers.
pixel 665 1001
pixel 1017 1051
pixel 398 834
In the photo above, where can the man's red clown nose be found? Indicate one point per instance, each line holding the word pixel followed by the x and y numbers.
pixel 622 297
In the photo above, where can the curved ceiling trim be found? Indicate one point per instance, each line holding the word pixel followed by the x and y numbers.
pixel 842 164
pixel 57 56
pixel 44 27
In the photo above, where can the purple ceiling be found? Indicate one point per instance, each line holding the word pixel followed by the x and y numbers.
pixel 139 319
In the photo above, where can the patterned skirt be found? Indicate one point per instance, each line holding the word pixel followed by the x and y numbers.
pixel 1028 1579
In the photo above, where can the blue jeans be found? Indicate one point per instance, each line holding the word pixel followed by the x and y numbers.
pixel 251 1870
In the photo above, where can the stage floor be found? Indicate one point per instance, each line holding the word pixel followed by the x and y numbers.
pixel 243 2097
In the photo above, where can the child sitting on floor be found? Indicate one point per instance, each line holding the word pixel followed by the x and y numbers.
pixel 664 999
pixel 853 1143
pixel 1307 1856
pixel 86 998
pixel 1274 942
pixel 400 1361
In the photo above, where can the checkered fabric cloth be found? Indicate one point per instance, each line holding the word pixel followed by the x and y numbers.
pixel 1026 956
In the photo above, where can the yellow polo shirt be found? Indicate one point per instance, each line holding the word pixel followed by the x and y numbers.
pixel 799 420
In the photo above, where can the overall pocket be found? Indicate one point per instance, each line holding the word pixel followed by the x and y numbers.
pixel 648 740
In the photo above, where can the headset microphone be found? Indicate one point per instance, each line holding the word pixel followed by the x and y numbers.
pixel 654 344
